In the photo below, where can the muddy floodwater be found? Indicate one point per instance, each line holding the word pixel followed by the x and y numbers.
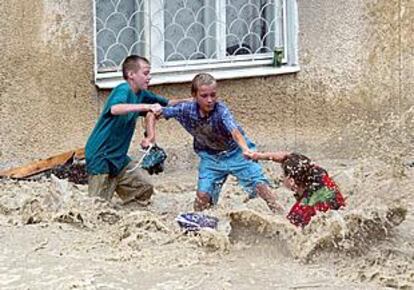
pixel 54 236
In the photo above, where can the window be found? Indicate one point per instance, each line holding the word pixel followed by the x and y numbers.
pixel 229 38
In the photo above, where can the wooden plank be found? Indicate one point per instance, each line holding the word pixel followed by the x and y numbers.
pixel 80 153
pixel 43 165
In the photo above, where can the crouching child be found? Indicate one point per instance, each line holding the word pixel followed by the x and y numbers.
pixel 313 188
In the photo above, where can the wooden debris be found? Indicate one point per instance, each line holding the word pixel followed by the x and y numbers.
pixel 43 165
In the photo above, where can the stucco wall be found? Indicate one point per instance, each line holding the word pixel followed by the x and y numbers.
pixel 355 84
pixel 47 99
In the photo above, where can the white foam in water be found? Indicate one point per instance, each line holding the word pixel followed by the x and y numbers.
pixel 367 245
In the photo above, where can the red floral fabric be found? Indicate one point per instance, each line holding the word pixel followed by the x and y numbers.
pixel 301 212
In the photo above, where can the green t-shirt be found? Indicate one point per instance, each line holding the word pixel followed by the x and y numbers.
pixel 107 146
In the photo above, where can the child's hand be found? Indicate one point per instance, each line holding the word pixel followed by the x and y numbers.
pixel 155 108
pixel 248 154
pixel 145 143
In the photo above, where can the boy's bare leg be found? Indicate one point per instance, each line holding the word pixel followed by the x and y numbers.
pixel 263 190
pixel 202 201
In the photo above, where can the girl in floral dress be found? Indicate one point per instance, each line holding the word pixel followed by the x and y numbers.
pixel 313 188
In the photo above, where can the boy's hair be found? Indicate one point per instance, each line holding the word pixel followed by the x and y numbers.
pixel 132 63
pixel 300 168
pixel 201 79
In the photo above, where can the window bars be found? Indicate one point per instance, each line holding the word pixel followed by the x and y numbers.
pixel 179 34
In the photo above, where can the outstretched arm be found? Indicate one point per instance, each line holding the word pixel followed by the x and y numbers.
pixel 152 117
pixel 278 156
pixel 238 137
pixel 123 109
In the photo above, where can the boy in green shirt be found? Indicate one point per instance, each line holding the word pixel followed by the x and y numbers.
pixel 109 167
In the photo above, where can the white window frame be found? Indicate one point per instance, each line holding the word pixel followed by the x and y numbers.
pixel 231 68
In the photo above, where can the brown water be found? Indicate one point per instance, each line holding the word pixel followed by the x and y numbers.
pixel 54 236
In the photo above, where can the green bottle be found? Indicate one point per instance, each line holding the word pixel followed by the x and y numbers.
pixel 277 56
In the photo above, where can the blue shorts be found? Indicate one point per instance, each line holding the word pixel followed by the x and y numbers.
pixel 214 169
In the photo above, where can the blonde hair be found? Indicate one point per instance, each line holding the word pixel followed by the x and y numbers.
pixel 201 79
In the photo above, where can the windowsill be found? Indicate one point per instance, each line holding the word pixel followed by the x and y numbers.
pixel 112 79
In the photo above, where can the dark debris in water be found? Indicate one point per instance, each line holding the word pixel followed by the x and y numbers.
pixel 74 172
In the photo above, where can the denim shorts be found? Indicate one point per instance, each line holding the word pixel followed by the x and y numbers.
pixel 214 169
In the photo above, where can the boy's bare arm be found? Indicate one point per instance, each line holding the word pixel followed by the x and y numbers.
pixel 238 137
pixel 149 139
pixel 123 109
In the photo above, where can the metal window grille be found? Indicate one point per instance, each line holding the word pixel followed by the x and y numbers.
pixel 183 33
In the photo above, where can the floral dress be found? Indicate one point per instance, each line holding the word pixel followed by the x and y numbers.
pixel 322 195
